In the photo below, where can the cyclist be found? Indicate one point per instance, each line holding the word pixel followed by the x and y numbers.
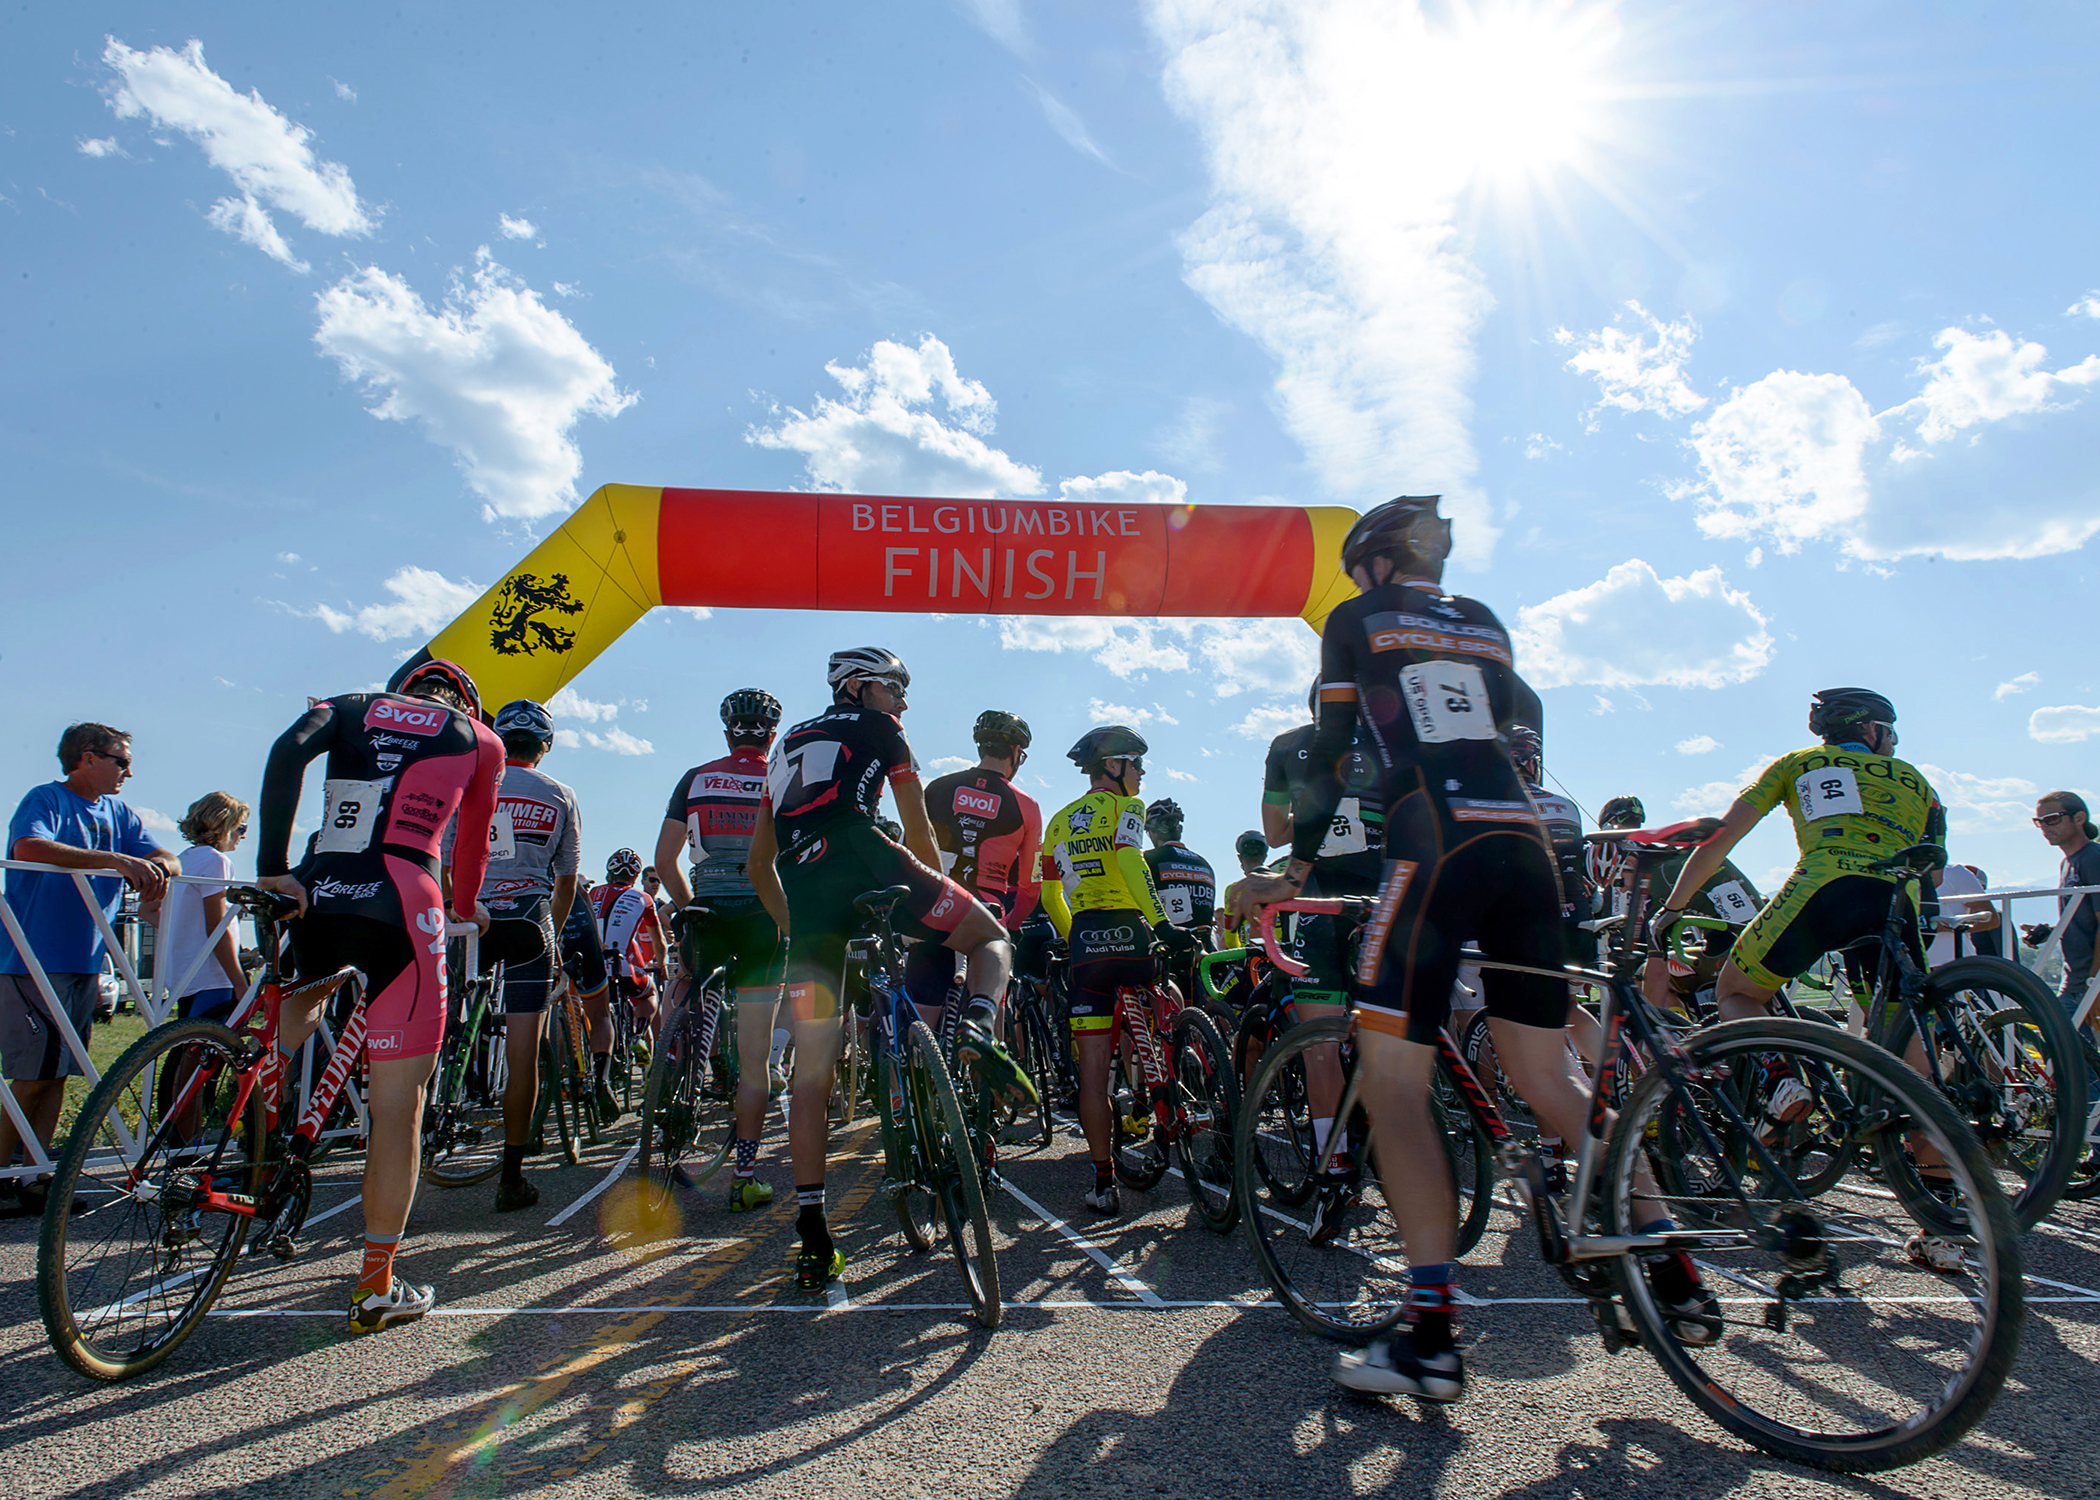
pixel 1348 864
pixel 1464 854
pixel 624 916
pixel 815 850
pixel 713 812
pixel 988 831
pixel 1100 895
pixel 534 850
pixel 401 765
pixel 1562 820
pixel 1728 894
pixel 1187 885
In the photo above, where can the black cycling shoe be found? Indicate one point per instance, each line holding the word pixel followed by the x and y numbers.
pixel 1001 1075
pixel 817 1267
pixel 1693 1312
pixel 1330 1210
pixel 515 1195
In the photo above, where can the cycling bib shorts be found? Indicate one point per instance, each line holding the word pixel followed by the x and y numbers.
pixel 822 880
pixel 524 945
pixel 743 937
pixel 1812 915
pixel 1321 942
pixel 1109 950
pixel 403 964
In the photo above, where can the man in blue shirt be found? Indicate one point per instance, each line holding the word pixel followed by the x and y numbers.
pixel 78 823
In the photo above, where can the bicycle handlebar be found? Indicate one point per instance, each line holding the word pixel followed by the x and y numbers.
pixel 1312 906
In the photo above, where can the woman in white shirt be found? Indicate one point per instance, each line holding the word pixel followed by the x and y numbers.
pixel 214 825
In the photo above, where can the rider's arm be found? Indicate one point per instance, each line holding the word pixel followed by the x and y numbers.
pixel 1138 876
pixel 670 841
pixel 765 880
pixel 564 898
pixel 1706 859
pixel 1028 887
pixel 306 740
pixel 1323 787
pixel 1276 795
pixel 1060 909
pixel 918 828
pixel 477 810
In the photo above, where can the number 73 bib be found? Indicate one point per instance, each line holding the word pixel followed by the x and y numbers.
pixel 1448 701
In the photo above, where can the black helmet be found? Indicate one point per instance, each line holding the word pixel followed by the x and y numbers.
pixel 1406 528
pixel 623 866
pixel 1836 709
pixel 749 705
pixel 1165 810
pixel 865 661
pixel 995 726
pixel 1106 742
pixel 1525 748
pixel 1622 812
pixel 523 716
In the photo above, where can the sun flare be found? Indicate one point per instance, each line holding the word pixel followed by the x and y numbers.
pixel 1520 84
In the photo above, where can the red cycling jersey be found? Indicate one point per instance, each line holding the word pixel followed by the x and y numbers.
pixel 989 832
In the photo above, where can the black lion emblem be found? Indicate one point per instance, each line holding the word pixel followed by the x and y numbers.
pixel 519 631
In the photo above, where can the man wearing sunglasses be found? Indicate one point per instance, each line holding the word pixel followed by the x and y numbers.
pixel 2065 823
pixel 77 822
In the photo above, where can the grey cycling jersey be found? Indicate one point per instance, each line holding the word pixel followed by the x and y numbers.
pixel 536 838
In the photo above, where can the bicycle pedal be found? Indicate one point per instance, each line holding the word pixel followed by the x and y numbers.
pixel 279 1245
pixel 895 1188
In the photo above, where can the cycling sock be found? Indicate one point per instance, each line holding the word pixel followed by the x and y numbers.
pixel 981 1008
pixel 1104 1174
pixel 809 1222
pixel 377 1273
pixel 513 1162
pixel 1662 1225
pixel 1322 1128
pixel 1432 1312
pixel 747 1162
pixel 601 1068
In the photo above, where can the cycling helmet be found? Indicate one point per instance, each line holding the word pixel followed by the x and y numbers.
pixel 995 726
pixel 1406 529
pixel 1251 846
pixel 1165 811
pixel 1526 750
pixel 1622 812
pixel 1106 742
pixel 436 673
pixel 866 661
pixel 623 867
pixel 751 705
pixel 523 716
pixel 1834 710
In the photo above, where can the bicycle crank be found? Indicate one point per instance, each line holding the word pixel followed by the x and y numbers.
pixel 291 1196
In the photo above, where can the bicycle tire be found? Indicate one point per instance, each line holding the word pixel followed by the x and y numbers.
pixel 1866 1400
pixel 1040 1061
pixel 1206 1099
pixel 1471 1155
pixel 2085 1177
pixel 1351 1289
pixel 846 1081
pixel 957 1185
pixel 2046 1081
pixel 86 1306
pixel 559 1083
pixel 1285 1115
pixel 1140 1156
pixel 462 1130
pixel 687 1132
pixel 914 1203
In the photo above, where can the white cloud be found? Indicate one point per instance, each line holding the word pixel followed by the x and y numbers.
pixel 1986 378
pixel 343 91
pixel 157 822
pixel 1267 723
pixel 884 438
pixel 946 763
pixel 1124 487
pixel 570 704
pixel 1712 798
pixel 101 146
pixel 2063 724
pixel 495 375
pixel 1070 128
pixel 2087 306
pixel 1632 375
pixel 287 557
pixel 616 740
pixel 2026 682
pixel 1698 744
pixel 424 603
pixel 567 289
pixel 1137 718
pixel 1339 148
pixel 1786 457
pixel 1191 439
pixel 1125 647
pixel 1634 628
pixel 1001 21
pixel 270 158
pixel 517 229
pixel 1982 804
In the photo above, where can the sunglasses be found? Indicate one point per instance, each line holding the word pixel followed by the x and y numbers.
pixel 242 830
pixel 2050 820
pixel 122 760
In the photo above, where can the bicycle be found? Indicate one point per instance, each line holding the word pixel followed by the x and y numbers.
pixel 1171 1084
pixel 123 1283
pixel 689 1102
pixel 1890 1367
pixel 463 1119
pixel 927 1153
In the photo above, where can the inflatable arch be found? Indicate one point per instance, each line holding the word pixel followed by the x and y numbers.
pixel 628 549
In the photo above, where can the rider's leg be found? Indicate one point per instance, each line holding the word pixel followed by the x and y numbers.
pixel 521 1087
pixel 1537 1062
pixel 1393 1084
pixel 755 1010
pixel 983 942
pixel 393 1160
pixel 1092 1048
pixel 809 1116
pixel 1739 997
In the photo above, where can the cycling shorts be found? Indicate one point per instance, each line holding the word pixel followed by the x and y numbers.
pixel 525 948
pixel 583 951
pixel 1321 942
pixel 405 996
pixel 1445 882
pixel 932 973
pixel 1111 949
pixel 822 882
pixel 1032 946
pixel 1812 914
pixel 743 937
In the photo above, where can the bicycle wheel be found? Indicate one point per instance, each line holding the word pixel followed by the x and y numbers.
pixel 1134 1144
pixel 1040 1060
pixel 847 1083
pixel 2010 1064
pixel 561 1090
pixel 1471 1155
pixel 1834 1349
pixel 463 1122
pixel 1350 1287
pixel 944 1139
pixel 914 1201
pixel 1283 1114
pixel 688 1120
pixel 1206 1097
pixel 2085 1177
pixel 124 1282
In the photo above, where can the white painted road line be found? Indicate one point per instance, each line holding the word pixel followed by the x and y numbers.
pixel 1122 1277
pixel 604 1184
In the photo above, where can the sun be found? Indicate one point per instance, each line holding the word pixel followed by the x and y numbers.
pixel 1520 84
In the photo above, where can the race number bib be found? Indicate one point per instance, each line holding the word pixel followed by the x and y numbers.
pixel 350 815
pixel 503 841
pixel 1448 701
pixel 947 861
pixel 1179 905
pixel 1828 793
pixel 1345 835
pixel 1732 903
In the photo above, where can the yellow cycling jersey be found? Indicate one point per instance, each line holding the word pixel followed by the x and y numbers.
pixel 1850 808
pixel 1093 854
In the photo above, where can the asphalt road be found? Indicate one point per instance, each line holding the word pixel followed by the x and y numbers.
pixel 568 1357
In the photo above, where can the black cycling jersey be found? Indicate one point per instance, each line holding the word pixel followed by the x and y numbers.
pixel 1563 824
pixel 833 767
pixel 1356 828
pixel 1187 885
pixel 989 832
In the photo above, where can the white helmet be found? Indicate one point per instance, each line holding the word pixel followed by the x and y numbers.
pixel 866 661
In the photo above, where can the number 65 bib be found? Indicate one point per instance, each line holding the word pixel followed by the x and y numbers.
pixel 1448 701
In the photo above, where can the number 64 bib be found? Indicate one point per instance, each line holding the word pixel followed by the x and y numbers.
pixel 1448 701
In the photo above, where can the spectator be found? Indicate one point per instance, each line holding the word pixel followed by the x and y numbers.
pixel 78 823
pixel 214 825
pixel 1941 906
pixel 2066 824
pixel 1989 941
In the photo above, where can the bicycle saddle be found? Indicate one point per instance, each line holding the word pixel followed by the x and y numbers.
pixel 867 902
pixel 267 904
pixel 1917 859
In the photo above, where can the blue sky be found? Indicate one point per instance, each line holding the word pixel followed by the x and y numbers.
pixel 1755 346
